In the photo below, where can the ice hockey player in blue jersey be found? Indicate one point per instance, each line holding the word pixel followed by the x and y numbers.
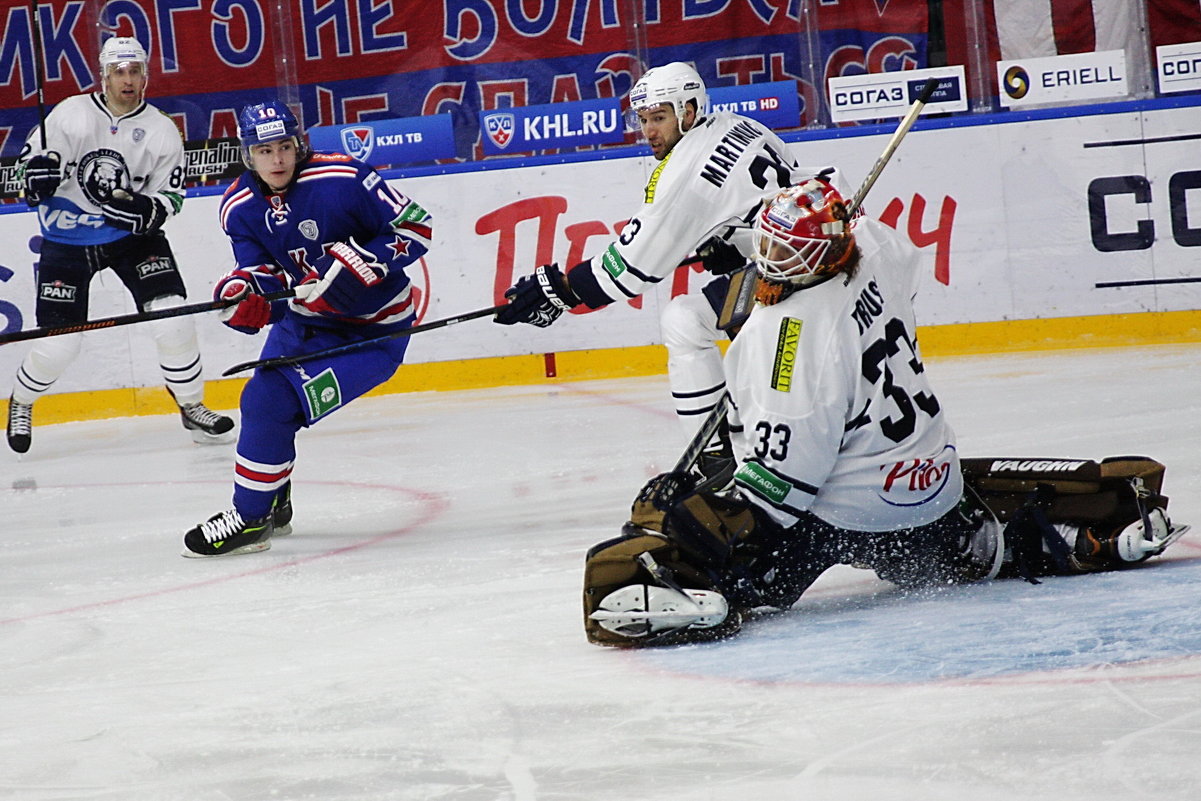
pixel 332 227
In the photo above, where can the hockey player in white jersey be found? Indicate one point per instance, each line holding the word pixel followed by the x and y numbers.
pixel 110 175
pixel 845 454
pixel 714 171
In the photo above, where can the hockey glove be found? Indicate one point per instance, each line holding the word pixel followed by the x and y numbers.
pixel 250 313
pixel 538 299
pixel 342 275
pixel 136 213
pixel 42 177
pixel 719 256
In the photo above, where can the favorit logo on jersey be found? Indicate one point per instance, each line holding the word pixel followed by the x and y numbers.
pixel 917 480
pixel 786 348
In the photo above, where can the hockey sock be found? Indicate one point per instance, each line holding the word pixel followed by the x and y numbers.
pixel 271 416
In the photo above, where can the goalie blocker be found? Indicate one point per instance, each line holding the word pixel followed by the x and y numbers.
pixel 1060 517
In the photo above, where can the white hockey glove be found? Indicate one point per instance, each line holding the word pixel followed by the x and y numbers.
pixel 136 213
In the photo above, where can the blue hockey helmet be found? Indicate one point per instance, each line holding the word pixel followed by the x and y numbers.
pixel 267 122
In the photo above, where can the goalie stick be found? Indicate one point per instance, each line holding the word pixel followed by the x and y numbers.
pixel 141 317
pixel 712 423
pixel 284 361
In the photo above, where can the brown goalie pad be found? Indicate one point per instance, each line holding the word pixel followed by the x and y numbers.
pixel 1030 495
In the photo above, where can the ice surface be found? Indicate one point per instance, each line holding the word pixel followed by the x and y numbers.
pixel 419 636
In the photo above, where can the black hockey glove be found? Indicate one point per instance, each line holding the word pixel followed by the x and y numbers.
pixel 136 213
pixel 538 299
pixel 42 176
pixel 720 257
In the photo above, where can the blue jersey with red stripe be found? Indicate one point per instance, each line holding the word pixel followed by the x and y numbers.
pixel 279 238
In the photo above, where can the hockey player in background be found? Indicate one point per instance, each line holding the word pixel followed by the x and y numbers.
pixel 330 226
pixel 845 456
pixel 110 175
pixel 714 171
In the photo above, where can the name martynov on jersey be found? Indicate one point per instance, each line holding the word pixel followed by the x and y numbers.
pixel 279 239
pixel 141 152
pixel 712 181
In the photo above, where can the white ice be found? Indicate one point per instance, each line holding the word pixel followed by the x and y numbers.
pixel 419 635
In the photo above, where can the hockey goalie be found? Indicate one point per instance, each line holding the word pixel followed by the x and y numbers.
pixel 840 453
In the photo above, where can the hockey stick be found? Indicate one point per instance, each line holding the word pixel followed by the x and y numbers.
pixel 138 317
pixel 713 422
pixel 39 69
pixel 284 361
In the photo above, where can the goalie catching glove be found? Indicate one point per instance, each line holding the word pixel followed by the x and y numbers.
pixel 538 299
pixel 136 213
pixel 41 178
pixel 342 276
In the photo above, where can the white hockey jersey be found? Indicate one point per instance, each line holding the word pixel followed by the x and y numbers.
pixel 141 151
pixel 836 414
pixel 712 181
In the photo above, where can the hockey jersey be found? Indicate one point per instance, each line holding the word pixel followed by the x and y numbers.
pixel 279 238
pixel 833 410
pixel 711 182
pixel 141 151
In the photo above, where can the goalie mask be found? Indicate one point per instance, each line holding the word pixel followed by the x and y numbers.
pixel 673 84
pixel 803 233
pixel 268 122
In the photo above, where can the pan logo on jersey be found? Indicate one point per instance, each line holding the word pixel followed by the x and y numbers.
pixel 786 348
pixel 58 292
pixel 914 482
pixel 358 142
pixel 100 173
pixel 500 128
pixel 323 394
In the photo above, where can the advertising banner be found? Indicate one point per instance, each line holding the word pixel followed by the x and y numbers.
pixel 1059 79
pixel 384 143
pixel 1179 67
pixel 890 94
pixel 552 126
pixel 774 104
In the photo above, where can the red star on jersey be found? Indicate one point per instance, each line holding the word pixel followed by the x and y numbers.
pixel 400 246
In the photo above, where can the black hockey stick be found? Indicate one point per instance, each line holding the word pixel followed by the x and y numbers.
pixel 137 317
pixel 285 361
pixel 713 422
pixel 39 69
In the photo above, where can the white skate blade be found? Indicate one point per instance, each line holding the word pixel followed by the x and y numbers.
pixel 282 531
pixel 201 438
pixel 638 610
pixel 254 547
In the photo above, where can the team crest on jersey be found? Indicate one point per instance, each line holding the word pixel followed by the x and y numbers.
pixel 500 128
pixel 309 229
pixel 139 134
pixel 58 292
pixel 358 141
pixel 100 173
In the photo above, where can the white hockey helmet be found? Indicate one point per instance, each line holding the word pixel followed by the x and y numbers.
pixel 121 50
pixel 673 84
pixel 802 232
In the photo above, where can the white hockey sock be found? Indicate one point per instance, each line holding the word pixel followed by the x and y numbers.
pixel 178 352
pixel 46 361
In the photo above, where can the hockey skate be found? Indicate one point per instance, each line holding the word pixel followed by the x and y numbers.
pixel 206 426
pixel 227 533
pixel 281 511
pixel 643 610
pixel 1130 544
pixel 20 425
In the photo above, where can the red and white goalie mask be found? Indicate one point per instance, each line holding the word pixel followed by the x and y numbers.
pixel 802 232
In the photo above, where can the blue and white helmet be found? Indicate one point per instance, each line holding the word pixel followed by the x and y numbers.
pixel 267 122
pixel 672 84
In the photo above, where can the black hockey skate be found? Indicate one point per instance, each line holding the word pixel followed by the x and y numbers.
pixel 20 425
pixel 227 533
pixel 281 511
pixel 205 425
